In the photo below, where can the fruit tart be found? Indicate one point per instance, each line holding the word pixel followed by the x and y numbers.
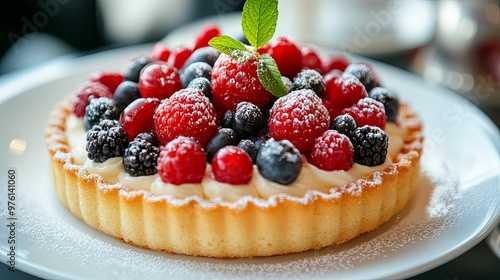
pixel 232 149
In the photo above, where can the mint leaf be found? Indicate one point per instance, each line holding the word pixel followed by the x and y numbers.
pixel 270 76
pixel 231 47
pixel 258 21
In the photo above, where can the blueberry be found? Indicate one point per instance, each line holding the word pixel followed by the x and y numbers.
pixel 288 84
pixel 248 119
pixel 279 161
pixel 249 147
pixel 202 84
pixel 135 66
pixel 227 119
pixel 125 93
pixel 389 99
pixel 344 124
pixel 262 138
pixel 309 79
pixel 195 70
pixel 205 54
pixel 363 73
pixel 223 137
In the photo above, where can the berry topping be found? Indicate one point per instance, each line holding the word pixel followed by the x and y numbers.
pixel 389 99
pixel 336 63
pixel 299 117
pixel 311 60
pixel 248 146
pixel 247 120
pixel 148 137
pixel 344 124
pixel 279 161
pixel 205 54
pixel 288 84
pixel 363 73
pixel 140 158
pixel 186 113
pixel 135 66
pixel 111 80
pixel 137 117
pixel 223 137
pixel 125 93
pixel 202 84
pixel 332 151
pixel 233 83
pixel 179 56
pixel 367 111
pixel 370 145
pixel 232 165
pixel 342 92
pixel 208 32
pixel 160 51
pixel 182 161
pixel 159 80
pixel 227 119
pixel 99 109
pixel 106 140
pixel 309 79
pixel 287 55
pixel 85 93
pixel 195 70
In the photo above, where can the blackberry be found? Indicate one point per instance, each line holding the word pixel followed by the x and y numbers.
pixel 148 137
pixel 370 145
pixel 389 99
pixel 202 84
pixel 223 137
pixel 125 93
pixel 195 70
pixel 135 66
pixel 106 140
pixel 140 158
pixel 204 54
pixel 248 146
pixel 248 119
pixel 363 73
pixel 309 79
pixel 99 109
pixel 227 119
pixel 279 161
pixel 344 124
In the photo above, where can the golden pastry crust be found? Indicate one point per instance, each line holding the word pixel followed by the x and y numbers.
pixel 249 227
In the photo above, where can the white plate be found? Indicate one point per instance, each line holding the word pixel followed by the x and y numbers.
pixel 456 206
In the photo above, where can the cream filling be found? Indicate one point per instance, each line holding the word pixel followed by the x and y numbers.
pixel 310 177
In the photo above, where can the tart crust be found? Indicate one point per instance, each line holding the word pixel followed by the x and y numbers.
pixel 249 227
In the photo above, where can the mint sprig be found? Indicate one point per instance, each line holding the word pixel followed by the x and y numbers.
pixel 258 22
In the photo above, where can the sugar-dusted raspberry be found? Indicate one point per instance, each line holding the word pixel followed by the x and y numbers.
pixel 182 161
pixel 299 117
pixel 186 113
pixel 311 60
pixel 233 83
pixel 159 80
pixel 342 92
pixel 232 165
pixel 287 55
pixel 332 151
pixel 336 63
pixel 179 56
pixel 85 93
pixel 160 51
pixel 367 111
pixel 207 33
pixel 109 79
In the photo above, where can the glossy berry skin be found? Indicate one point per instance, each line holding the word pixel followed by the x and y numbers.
pixel 287 55
pixel 344 124
pixel 106 140
pixel 205 54
pixel 247 120
pixel 207 33
pixel 299 117
pixel 140 158
pixel 179 56
pixel 135 66
pixel 227 119
pixel 186 113
pixel 159 80
pixel 336 63
pixel 342 92
pixel 125 93
pixel 160 51
pixel 367 111
pixel 233 83
pixel 364 74
pixel 86 92
pixel 248 146
pixel 309 79
pixel 182 161
pixel 195 70
pixel 223 137
pixel 332 151
pixel 111 80
pixel 311 60
pixel 389 99
pixel 99 109
pixel 370 145
pixel 232 165
pixel 137 117
pixel 202 84
pixel 279 161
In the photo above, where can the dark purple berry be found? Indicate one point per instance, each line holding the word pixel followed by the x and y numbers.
pixel 370 145
pixel 195 70
pixel 204 54
pixel 363 73
pixel 99 109
pixel 309 79
pixel 223 137
pixel 248 146
pixel 140 158
pixel 248 119
pixel 227 119
pixel 135 66
pixel 389 99
pixel 344 124
pixel 125 93
pixel 106 140
pixel 279 161
pixel 202 84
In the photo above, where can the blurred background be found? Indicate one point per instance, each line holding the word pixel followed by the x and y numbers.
pixel 453 43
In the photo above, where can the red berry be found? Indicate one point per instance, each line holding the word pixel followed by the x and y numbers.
pixel 179 56
pixel 138 116
pixel 311 60
pixel 342 92
pixel 207 33
pixel 233 83
pixel 111 80
pixel 367 111
pixel 182 161
pixel 159 80
pixel 287 55
pixel 336 63
pixel 232 165
pixel 160 51
pixel 299 117
pixel 85 93
pixel 332 151
pixel 186 113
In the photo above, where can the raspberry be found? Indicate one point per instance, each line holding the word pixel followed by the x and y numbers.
pixel 160 51
pixel 342 92
pixel 332 151
pixel 179 56
pixel 159 80
pixel 111 80
pixel 299 117
pixel 367 111
pixel 311 60
pixel 232 165
pixel 336 63
pixel 287 55
pixel 99 109
pixel 182 161
pixel 85 93
pixel 140 158
pixel 364 73
pixel 233 83
pixel 106 140
pixel 186 113
pixel 209 31
pixel 370 145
